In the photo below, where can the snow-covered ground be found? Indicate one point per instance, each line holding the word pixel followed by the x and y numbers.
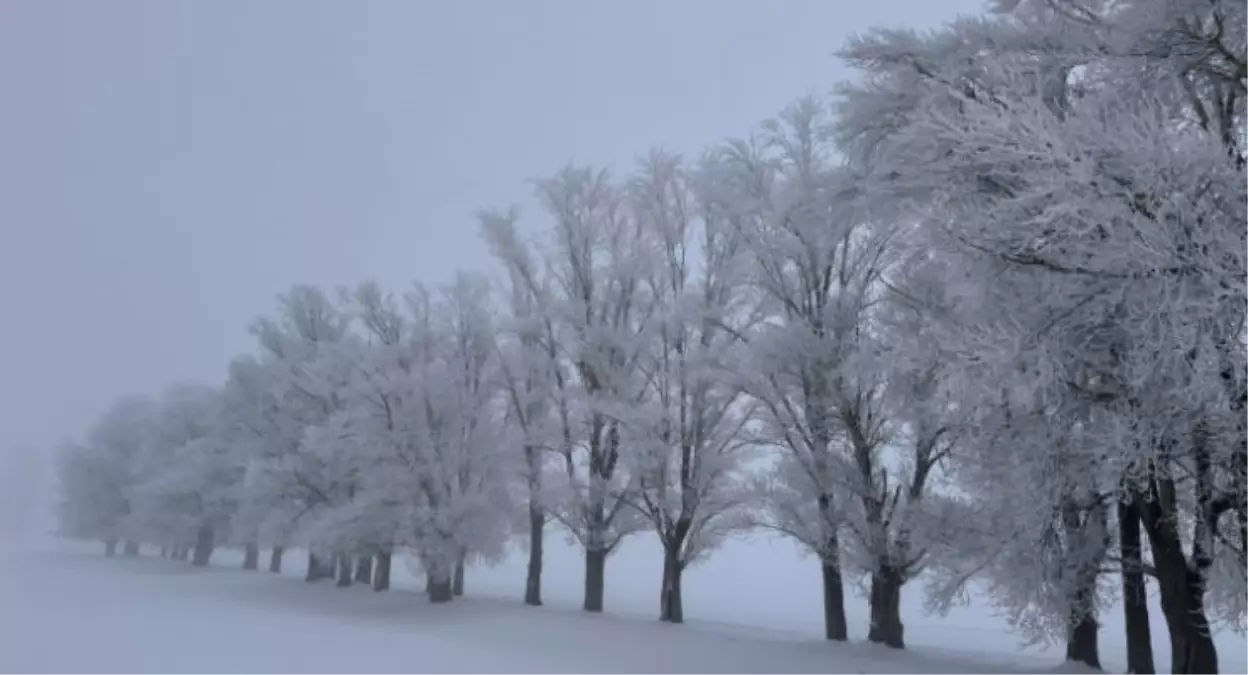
pixel 66 608
pixel 76 612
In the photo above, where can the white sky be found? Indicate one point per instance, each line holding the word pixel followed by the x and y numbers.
pixel 168 167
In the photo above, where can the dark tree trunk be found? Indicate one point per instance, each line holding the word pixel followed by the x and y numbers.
pixel 1182 588
pixel 204 542
pixel 381 575
pixel 595 579
pixel 164 551
pixel 1241 517
pixel 251 557
pixel 1083 631
pixel 131 548
pixel 364 569
pixel 275 560
pixel 671 601
pixel 886 626
pixel 1134 592
pixel 316 568
pixel 1241 508
pixel 178 553
pixel 1085 527
pixel 1082 645
pixel 439 588
pixel 344 570
pixel 533 577
pixel 834 625
pixel 1191 643
pixel 110 547
pixel 457 582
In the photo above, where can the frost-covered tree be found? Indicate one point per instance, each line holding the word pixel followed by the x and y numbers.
pixel 464 469
pixel 99 477
pixel 597 264
pixel 1084 163
pixel 688 446
pixel 259 428
pixel 187 491
pixel 383 365
pixel 421 425
pixel 528 369
pixel 250 425
pixel 816 266
pixel 304 348
pixel 91 502
pixel 594 316
pixel 894 373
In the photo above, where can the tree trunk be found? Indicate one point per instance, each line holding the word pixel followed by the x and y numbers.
pixel 886 626
pixel 316 568
pixel 533 577
pixel 1191 643
pixel 457 582
pixel 595 579
pixel 251 557
pixel 1082 645
pixel 364 569
pixel 1086 530
pixel 834 625
pixel 131 548
pixel 1182 588
pixel 110 547
pixel 671 601
pixel 344 570
pixel 1241 506
pixel 381 575
pixel 164 551
pixel 178 553
pixel 439 587
pixel 1134 592
pixel 204 542
pixel 275 560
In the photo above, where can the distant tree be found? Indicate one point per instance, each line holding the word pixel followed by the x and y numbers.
pixel 98 478
pixel 187 489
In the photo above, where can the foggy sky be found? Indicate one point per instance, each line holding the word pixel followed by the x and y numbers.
pixel 167 168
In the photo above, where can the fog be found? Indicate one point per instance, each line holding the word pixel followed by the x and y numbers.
pixel 170 166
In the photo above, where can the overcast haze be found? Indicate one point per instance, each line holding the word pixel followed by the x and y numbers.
pixel 167 168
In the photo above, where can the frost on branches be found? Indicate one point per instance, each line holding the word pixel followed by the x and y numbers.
pixel 687 445
pixel 529 369
pixel 304 350
pixel 186 494
pixel 624 319
pixel 978 322
pixel 100 476
pixel 1084 163
pixel 598 313
pixel 814 363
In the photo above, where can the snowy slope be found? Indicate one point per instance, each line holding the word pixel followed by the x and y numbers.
pixel 751 608
pixel 81 612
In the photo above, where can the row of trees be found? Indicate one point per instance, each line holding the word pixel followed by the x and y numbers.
pixel 979 320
